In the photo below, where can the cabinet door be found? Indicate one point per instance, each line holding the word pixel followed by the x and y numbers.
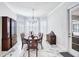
pixel 8 32
pixel 5 33
pixel 8 27
pixel 13 31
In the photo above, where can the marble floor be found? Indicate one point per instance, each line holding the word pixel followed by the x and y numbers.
pixel 47 51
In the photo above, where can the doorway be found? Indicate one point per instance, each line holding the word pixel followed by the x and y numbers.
pixel 74 30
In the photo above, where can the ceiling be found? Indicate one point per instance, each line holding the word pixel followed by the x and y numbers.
pixel 25 8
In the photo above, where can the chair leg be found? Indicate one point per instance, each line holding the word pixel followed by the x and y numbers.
pixel 36 52
pixel 41 46
pixel 28 52
pixel 22 46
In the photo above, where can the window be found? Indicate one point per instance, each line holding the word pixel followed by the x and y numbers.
pixel 26 24
pixel 75 27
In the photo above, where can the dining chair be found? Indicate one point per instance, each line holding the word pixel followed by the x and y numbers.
pixel 24 41
pixel 33 44
pixel 40 39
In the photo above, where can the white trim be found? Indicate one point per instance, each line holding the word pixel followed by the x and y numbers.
pixel 56 8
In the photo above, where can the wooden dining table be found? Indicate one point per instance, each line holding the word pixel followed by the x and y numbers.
pixel 32 43
pixel 30 38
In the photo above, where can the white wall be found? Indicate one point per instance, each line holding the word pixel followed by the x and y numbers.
pixel 58 22
pixel 4 11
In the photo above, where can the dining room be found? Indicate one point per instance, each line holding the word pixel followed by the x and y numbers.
pixel 35 29
pixel 29 36
pixel 32 30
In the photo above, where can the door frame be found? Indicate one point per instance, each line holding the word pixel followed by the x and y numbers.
pixel 72 51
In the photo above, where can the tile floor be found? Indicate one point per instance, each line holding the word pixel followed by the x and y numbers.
pixel 47 51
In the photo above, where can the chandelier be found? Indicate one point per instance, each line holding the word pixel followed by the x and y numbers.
pixel 33 17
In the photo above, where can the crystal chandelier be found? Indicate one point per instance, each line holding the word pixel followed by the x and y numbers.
pixel 33 17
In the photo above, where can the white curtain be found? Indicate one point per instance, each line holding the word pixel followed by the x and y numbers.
pixel 27 24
